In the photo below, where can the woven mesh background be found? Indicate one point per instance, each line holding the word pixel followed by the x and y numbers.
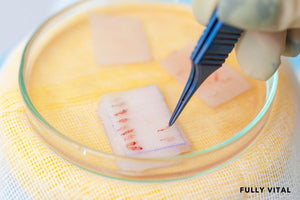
pixel 30 170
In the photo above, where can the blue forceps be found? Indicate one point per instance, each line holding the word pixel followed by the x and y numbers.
pixel 212 49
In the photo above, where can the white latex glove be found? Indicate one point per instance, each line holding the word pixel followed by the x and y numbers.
pixel 272 29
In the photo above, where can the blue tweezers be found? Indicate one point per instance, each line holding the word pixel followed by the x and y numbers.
pixel 213 48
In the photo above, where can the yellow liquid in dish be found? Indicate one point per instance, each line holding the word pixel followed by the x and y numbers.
pixel 66 84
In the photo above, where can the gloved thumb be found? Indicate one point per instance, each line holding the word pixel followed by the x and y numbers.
pixel 265 15
pixel 258 53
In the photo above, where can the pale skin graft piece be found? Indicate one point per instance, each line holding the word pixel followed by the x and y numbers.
pixel 136 124
pixel 118 40
pixel 178 64
pixel 222 86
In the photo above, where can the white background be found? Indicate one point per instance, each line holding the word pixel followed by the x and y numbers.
pixel 18 18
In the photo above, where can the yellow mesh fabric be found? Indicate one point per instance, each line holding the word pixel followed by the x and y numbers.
pixel 45 175
pixel 42 174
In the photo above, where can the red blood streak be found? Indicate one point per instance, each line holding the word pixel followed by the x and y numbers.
pixel 163 129
pixel 123 128
pixel 128 137
pixel 140 148
pixel 127 132
pixel 168 139
pixel 123 120
pixel 131 143
pixel 121 112
pixel 118 105
pixel 216 76
pixel 134 148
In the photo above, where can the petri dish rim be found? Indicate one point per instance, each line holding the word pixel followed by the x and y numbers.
pixel 271 87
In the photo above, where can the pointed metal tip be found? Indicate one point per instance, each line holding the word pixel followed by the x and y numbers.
pixel 180 105
pixel 177 110
pixel 172 120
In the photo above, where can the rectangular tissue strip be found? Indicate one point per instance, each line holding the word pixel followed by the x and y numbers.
pixel 222 86
pixel 178 64
pixel 118 40
pixel 136 124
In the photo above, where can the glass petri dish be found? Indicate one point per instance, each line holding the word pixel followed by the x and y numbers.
pixel 61 86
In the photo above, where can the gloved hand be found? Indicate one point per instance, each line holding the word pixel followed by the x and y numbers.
pixel 272 29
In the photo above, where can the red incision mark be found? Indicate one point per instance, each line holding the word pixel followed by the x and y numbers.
pixel 180 72
pixel 128 137
pixel 134 148
pixel 216 76
pixel 118 105
pixel 123 120
pixel 123 128
pixel 168 139
pixel 122 112
pixel 128 131
pixel 226 79
pixel 131 143
pixel 163 129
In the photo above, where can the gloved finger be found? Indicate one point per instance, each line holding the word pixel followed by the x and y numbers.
pixel 271 15
pixel 203 10
pixel 292 43
pixel 249 14
pixel 258 53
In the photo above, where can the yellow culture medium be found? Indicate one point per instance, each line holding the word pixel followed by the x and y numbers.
pixel 66 85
